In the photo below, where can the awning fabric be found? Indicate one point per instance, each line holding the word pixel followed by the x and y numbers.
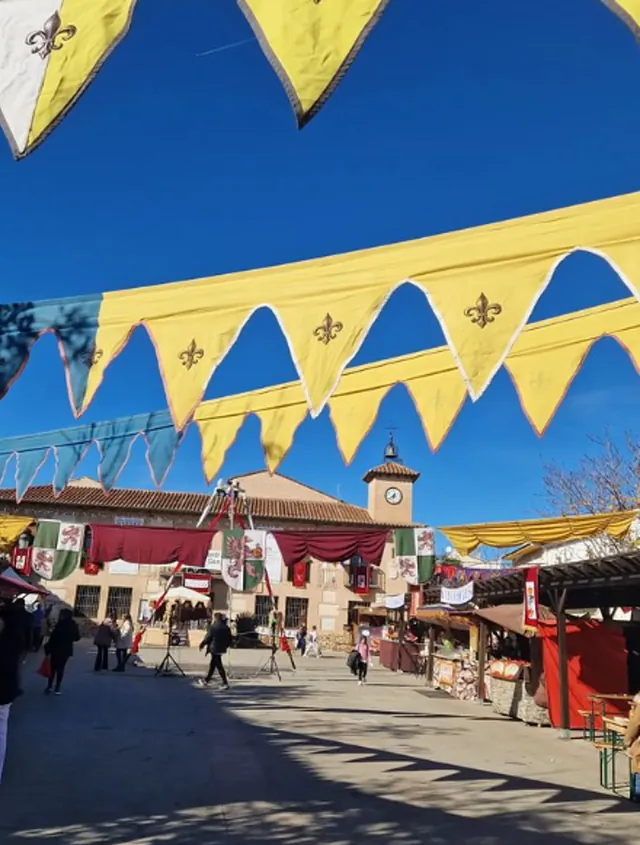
pixel 11 578
pixel 504 535
pixel 331 546
pixel 509 616
pixel 11 527
pixel 149 545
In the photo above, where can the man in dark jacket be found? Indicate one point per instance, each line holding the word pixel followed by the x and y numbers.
pixel 217 641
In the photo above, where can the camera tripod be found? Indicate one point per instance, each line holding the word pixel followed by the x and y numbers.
pixel 169 665
pixel 271 664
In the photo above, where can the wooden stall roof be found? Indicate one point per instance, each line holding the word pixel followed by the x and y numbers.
pixel 606 582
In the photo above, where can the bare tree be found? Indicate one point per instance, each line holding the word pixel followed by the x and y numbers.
pixel 607 478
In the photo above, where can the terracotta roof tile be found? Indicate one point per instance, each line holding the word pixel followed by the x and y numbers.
pixel 190 503
pixel 392 470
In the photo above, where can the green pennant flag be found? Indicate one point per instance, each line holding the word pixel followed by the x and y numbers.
pixel 415 554
pixel 57 549
pixel 243 556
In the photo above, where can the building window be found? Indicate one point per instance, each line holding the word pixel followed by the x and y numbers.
pixel 377 580
pixel 329 575
pixel 119 601
pixel 87 601
pixel 263 609
pixel 295 612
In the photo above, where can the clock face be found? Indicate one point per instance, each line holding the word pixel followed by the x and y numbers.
pixel 393 495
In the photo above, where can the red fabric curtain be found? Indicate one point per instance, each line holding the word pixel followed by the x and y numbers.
pixel 597 659
pixel 156 546
pixel 331 546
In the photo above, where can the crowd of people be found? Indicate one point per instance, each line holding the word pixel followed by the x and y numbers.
pixel 120 637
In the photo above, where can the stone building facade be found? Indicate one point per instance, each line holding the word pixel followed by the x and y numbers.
pixel 329 597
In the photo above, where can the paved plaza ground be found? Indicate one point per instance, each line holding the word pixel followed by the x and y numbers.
pixel 314 759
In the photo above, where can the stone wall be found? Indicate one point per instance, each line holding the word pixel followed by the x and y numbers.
pixel 510 698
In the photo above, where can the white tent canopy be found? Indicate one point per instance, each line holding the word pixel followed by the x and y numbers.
pixel 182 594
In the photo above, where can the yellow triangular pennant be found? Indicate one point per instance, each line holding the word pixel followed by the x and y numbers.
pixel 483 283
pixel 628 11
pixel 280 422
pixel 546 358
pixel 311 43
pixel 75 41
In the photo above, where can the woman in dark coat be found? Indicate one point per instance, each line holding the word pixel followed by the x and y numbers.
pixel 59 648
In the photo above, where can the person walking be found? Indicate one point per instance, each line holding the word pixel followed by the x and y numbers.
pixel 11 647
pixel 301 639
pixel 124 643
pixel 364 653
pixel 313 644
pixel 105 635
pixel 216 642
pixel 59 648
pixel 37 622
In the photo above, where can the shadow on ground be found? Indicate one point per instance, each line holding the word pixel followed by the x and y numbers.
pixel 117 762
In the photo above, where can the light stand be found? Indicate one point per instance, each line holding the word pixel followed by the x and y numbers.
pixel 169 664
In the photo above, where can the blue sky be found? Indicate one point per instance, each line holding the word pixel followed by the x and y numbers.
pixel 174 166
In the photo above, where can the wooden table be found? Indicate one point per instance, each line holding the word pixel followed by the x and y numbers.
pixel 604 698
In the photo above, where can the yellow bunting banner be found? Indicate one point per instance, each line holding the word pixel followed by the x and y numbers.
pixel 547 356
pixel 51 51
pixel 311 43
pixel 482 284
pixel 505 535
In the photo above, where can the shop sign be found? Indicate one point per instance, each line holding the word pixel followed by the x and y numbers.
pixel 457 595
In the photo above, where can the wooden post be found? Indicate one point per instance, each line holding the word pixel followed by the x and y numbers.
pixel 563 666
pixel 431 654
pixel 482 659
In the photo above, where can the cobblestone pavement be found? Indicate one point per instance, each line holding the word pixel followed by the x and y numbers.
pixel 144 760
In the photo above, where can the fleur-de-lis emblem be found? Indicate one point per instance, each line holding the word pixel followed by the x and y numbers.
pixel 327 330
pixel 92 356
pixel 483 312
pixel 51 37
pixel 191 355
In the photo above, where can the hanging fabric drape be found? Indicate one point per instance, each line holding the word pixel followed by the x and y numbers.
pixel 149 545
pixel 331 546
pixel 504 535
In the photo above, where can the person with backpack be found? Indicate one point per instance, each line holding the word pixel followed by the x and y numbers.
pixel 59 648
pixel 216 642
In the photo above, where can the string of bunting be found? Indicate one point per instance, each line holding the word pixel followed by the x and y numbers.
pixel 52 49
pixel 542 364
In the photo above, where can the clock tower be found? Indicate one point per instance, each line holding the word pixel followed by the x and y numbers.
pixel 391 489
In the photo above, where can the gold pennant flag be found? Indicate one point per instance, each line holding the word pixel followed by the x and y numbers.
pixel 280 409
pixel 51 51
pixel 547 356
pixel 628 11
pixel 311 43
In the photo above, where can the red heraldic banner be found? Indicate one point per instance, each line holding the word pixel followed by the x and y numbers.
pixel 531 599
pixel 21 560
pixel 299 574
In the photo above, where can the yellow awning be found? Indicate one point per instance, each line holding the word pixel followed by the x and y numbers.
pixel 11 527
pixel 504 535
